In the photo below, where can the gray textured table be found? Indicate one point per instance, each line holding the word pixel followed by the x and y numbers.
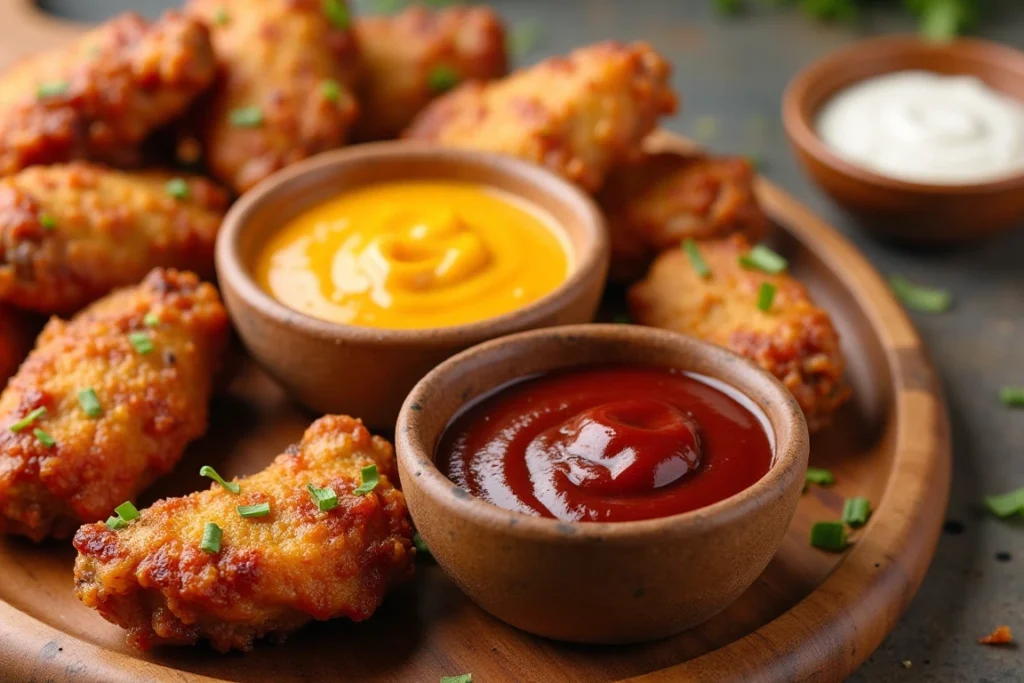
pixel 733 71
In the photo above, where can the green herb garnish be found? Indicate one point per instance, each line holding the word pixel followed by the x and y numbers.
pixel 90 402
pixel 337 13
pixel 256 510
pixel 421 545
pixel 917 298
pixel 177 188
pixel 47 221
pixel 461 678
pixel 856 511
pixel 326 499
pixel 43 437
pixel 443 78
pixel 370 480
pixel 829 536
pixel 28 419
pixel 52 89
pixel 1006 504
pixel 115 523
pixel 246 117
pixel 1012 396
pixel 819 476
pixel 330 89
pixel 696 259
pixel 127 511
pixel 211 538
pixel 207 471
pixel 151 319
pixel 764 259
pixel 765 296
pixel 141 341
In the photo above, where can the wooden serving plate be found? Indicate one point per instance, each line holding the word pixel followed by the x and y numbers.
pixel 810 616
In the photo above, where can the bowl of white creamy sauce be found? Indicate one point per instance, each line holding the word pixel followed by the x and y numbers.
pixel 925 127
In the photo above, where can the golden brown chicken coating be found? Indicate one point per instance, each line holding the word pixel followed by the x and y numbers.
pixel 271 574
pixel 16 336
pixel 71 233
pixel 795 340
pixel 283 93
pixel 101 96
pixel 412 57
pixel 579 115
pixel 667 197
pixel 106 403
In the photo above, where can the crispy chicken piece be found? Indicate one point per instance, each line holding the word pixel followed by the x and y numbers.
pixel 101 96
pixel 667 197
pixel 795 340
pixel 16 337
pixel 152 377
pixel 579 115
pixel 412 57
pixel 284 91
pixel 71 233
pixel 272 574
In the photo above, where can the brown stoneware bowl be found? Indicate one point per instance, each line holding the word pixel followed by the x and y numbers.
pixel 904 211
pixel 596 582
pixel 367 372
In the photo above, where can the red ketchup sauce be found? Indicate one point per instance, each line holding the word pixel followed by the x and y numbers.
pixel 608 443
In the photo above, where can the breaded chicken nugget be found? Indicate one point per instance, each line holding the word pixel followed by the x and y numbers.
pixel 107 402
pixel 16 336
pixel 666 197
pixel 283 93
pixel 269 574
pixel 579 115
pixel 795 340
pixel 101 96
pixel 71 233
pixel 412 57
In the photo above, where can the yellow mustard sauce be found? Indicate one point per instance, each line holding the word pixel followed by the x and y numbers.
pixel 415 255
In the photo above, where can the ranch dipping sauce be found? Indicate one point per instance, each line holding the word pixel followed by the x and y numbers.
pixel 926 127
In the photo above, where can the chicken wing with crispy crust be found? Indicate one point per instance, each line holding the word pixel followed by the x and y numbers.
pixel 271 574
pixel 794 340
pixel 284 90
pixel 71 233
pixel 412 57
pixel 579 115
pixel 107 402
pixel 666 197
pixel 101 96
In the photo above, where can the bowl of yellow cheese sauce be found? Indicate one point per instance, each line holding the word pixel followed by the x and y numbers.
pixel 349 276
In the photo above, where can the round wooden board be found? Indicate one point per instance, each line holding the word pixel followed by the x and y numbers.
pixel 810 616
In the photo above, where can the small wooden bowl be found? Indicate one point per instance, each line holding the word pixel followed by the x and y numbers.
pixel 904 211
pixel 367 372
pixel 597 582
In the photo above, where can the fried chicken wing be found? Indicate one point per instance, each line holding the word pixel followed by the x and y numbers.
pixel 412 57
pixel 668 197
pixel 71 233
pixel 272 574
pixel 101 96
pixel 795 340
pixel 147 353
pixel 579 115
pixel 284 90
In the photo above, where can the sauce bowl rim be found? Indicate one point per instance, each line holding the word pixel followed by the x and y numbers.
pixel 798 114
pixel 789 434
pixel 594 255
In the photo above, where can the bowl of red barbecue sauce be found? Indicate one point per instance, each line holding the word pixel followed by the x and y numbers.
pixel 601 483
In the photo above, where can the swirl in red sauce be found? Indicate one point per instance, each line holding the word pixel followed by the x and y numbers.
pixel 607 443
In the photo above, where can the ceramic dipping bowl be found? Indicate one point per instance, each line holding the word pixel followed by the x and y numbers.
pixel 337 368
pixel 597 582
pixel 907 212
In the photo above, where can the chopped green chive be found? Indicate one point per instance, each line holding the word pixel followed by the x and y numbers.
pixel 856 511
pixel 829 536
pixel 127 511
pixel 47 221
pixel 221 16
pixel 819 476
pixel 246 117
pixel 90 402
pixel 337 13
pixel 443 78
pixel 330 89
pixel 1012 396
pixel 177 188
pixel 151 319
pixel 52 89
pixel 257 510
pixel 141 341
pixel 941 21
pixel 765 296
pixel 370 480
pixel 461 678
pixel 115 523
pixel 764 259
pixel 421 545
pixel 696 260
pixel 211 538
pixel 917 298
pixel 43 437
pixel 207 471
pixel 28 419
pixel 326 499
pixel 1006 504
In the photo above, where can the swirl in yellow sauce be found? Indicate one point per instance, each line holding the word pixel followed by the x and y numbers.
pixel 415 255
